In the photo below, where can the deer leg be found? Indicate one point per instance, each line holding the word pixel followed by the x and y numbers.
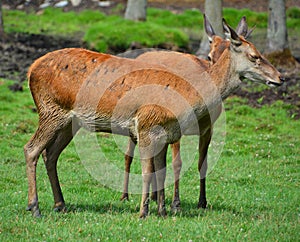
pixel 147 171
pixel 202 166
pixel 50 156
pixel 32 150
pixel 128 160
pixel 154 188
pixel 160 173
pixel 177 164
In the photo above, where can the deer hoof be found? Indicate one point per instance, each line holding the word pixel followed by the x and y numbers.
pixel 202 203
pixel 143 215
pixel 162 212
pixel 175 207
pixel 60 208
pixel 154 196
pixel 35 211
pixel 124 197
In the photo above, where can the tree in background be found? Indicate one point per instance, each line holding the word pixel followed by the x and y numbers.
pixel 213 11
pixel 277 31
pixel 2 34
pixel 136 10
pixel 277 36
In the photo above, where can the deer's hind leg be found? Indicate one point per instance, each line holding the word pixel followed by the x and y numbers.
pixel 50 156
pixel 177 164
pixel 160 173
pixel 128 160
pixel 49 125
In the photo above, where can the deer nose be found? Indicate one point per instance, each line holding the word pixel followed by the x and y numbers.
pixel 282 79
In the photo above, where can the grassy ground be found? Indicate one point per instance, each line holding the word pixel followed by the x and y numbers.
pixel 253 192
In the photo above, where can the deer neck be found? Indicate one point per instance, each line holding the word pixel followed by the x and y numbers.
pixel 224 75
pixel 220 80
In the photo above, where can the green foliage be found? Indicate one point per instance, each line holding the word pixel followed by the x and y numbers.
pixel 252 192
pixel 233 17
pixel 260 19
pixel 102 36
pixel 293 13
pixel 188 19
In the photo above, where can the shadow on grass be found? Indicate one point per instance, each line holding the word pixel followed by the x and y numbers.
pixel 188 209
pixel 103 208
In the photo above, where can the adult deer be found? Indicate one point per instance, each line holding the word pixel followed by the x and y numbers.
pixel 182 65
pixel 74 88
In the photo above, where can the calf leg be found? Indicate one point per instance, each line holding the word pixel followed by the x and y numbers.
pixel 202 166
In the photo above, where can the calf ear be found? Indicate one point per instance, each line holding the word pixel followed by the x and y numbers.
pixel 250 32
pixel 208 28
pixel 231 34
pixel 242 28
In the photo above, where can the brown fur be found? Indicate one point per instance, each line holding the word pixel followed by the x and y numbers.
pixel 185 66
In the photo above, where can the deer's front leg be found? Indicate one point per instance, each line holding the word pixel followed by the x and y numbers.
pixel 202 165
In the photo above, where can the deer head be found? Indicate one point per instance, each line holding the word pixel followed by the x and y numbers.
pixel 218 44
pixel 250 63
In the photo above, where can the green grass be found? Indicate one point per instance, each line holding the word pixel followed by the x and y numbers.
pixel 253 192
pixel 102 36
pixel 105 33
pixel 51 21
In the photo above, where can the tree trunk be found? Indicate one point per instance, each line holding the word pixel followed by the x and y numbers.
pixel 277 31
pixel 213 11
pixel 2 33
pixel 277 50
pixel 136 10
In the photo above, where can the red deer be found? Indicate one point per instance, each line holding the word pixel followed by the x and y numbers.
pixel 74 88
pixel 181 65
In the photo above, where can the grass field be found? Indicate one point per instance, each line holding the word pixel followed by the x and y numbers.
pixel 253 192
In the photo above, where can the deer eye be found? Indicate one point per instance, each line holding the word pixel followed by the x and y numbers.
pixel 253 58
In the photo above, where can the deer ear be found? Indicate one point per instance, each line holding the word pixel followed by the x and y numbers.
pixel 208 28
pixel 242 28
pixel 250 32
pixel 231 34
